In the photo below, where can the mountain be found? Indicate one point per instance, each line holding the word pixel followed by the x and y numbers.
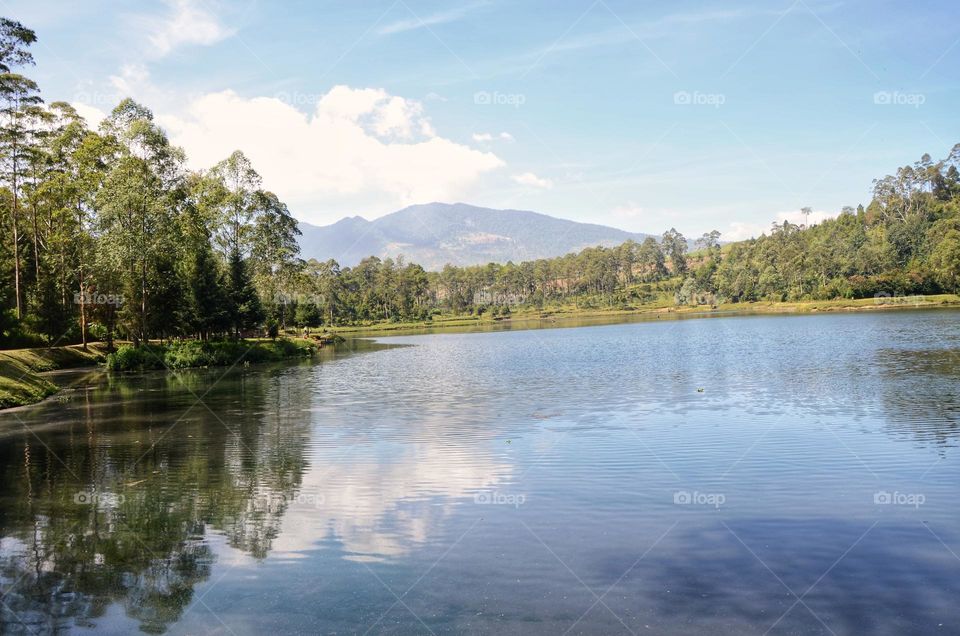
pixel 435 234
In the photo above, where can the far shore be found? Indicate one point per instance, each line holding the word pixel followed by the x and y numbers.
pixel 523 317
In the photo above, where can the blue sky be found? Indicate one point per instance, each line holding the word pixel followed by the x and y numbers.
pixel 698 115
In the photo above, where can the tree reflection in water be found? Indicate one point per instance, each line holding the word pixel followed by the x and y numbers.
pixel 117 505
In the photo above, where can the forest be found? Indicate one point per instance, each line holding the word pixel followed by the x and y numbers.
pixel 107 235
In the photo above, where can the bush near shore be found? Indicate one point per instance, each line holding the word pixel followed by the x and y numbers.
pixel 194 353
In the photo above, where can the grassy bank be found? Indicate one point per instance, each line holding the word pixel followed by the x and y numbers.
pixel 193 353
pixel 659 308
pixel 20 369
pixel 22 382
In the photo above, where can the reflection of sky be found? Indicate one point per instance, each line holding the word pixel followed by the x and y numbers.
pixel 800 422
pixel 380 500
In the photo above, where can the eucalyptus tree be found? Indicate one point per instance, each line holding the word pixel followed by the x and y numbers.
pixel 55 194
pixel 20 108
pixel 240 203
pixel 274 251
pixel 675 246
pixel 651 260
pixel 139 205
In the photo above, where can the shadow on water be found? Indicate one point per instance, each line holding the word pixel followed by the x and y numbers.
pixel 892 578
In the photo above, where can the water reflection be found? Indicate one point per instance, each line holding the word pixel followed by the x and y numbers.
pixel 301 497
pixel 117 504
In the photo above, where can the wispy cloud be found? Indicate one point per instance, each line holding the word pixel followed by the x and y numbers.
pixel 663 27
pixel 441 17
pixel 188 22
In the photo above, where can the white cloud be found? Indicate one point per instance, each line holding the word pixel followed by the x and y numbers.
pixel 357 142
pixel 485 138
pixel 91 114
pixel 388 115
pixel 532 180
pixel 739 231
pixel 188 22
pixel 134 79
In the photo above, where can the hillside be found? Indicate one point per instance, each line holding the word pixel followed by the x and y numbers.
pixel 436 234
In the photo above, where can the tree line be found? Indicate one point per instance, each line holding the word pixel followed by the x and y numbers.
pixel 107 234
pixel 905 242
pixel 106 231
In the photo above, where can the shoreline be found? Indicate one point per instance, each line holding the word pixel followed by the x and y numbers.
pixel 22 380
pixel 22 371
pixel 654 312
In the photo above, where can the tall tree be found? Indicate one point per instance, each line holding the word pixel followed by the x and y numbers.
pixel 19 111
pixel 675 246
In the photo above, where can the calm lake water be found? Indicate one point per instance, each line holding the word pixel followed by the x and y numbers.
pixel 739 475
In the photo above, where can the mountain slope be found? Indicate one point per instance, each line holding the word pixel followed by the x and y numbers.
pixel 435 234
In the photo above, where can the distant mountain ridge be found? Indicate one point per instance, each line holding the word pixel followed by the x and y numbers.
pixel 435 234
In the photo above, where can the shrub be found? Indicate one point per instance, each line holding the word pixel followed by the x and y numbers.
pixel 194 353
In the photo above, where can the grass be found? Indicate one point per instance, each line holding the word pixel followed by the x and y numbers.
pixel 20 369
pixel 22 382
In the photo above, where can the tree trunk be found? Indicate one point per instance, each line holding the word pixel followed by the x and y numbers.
pixel 16 237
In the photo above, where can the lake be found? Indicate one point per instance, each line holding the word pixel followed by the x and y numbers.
pixel 734 475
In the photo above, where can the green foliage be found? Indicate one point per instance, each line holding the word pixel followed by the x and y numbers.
pixel 107 234
pixel 196 353
pixel 273 329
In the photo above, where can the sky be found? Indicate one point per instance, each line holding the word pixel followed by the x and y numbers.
pixel 698 115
